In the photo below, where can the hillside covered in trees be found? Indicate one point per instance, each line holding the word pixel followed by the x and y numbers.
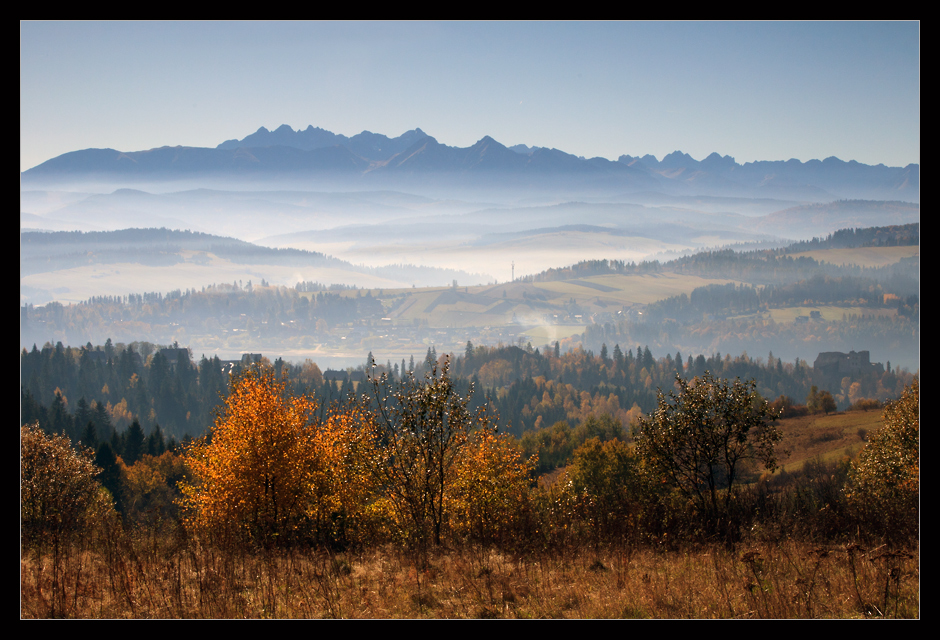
pixel 793 304
pixel 112 386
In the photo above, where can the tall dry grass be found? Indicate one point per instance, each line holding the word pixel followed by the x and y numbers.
pixel 168 576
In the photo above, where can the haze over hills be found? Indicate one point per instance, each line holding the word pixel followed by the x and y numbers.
pixel 858 289
pixel 473 224
pixel 413 159
pixel 380 212
pixel 75 266
pixel 484 236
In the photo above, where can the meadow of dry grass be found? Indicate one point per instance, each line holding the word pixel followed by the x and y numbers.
pixel 829 438
pixel 156 579
pixel 862 256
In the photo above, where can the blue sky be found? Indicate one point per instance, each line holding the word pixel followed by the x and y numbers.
pixel 752 90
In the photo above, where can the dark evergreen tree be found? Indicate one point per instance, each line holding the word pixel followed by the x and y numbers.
pixel 618 356
pixel 156 445
pixel 82 415
pixel 110 476
pixel 31 411
pixel 90 435
pixel 60 421
pixel 133 443
pixel 102 421
pixel 700 365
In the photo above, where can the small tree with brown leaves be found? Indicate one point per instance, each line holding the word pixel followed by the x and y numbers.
pixel 59 494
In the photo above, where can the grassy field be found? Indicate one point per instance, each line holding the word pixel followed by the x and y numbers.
pixel 531 303
pixel 862 256
pixel 828 313
pixel 628 289
pixel 155 571
pixel 541 302
pixel 764 579
pixel 826 437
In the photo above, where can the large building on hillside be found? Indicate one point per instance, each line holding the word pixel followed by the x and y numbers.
pixel 835 365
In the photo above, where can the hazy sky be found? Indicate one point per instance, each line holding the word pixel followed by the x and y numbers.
pixel 752 90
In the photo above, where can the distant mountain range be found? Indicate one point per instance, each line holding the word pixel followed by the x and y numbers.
pixel 417 158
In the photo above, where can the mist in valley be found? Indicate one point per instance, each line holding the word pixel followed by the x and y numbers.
pixel 452 260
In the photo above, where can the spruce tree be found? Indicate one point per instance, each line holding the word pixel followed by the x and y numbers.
pixel 133 443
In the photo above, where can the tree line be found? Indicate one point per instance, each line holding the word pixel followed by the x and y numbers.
pixel 763 266
pixel 101 391
pixel 411 462
pixel 724 300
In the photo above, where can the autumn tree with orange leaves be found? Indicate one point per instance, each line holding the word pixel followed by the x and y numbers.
pixel 269 473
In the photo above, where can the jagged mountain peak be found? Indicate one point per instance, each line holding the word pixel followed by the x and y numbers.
pixel 315 151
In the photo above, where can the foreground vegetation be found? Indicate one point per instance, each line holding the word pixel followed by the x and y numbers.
pixel 407 503
pixel 169 577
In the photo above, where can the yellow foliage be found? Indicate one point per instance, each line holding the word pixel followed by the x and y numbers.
pixel 142 478
pixel 268 472
pixel 490 487
pixel 342 479
pixel 120 414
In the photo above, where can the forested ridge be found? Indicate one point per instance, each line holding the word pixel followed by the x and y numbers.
pixel 44 251
pixel 881 304
pixel 111 386
pixel 763 267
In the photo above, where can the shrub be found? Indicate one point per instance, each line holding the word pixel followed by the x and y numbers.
pixel 884 483
pixel 607 483
pixel 60 496
pixel 490 488
pixel 701 439
pixel 424 428
pixel 62 508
